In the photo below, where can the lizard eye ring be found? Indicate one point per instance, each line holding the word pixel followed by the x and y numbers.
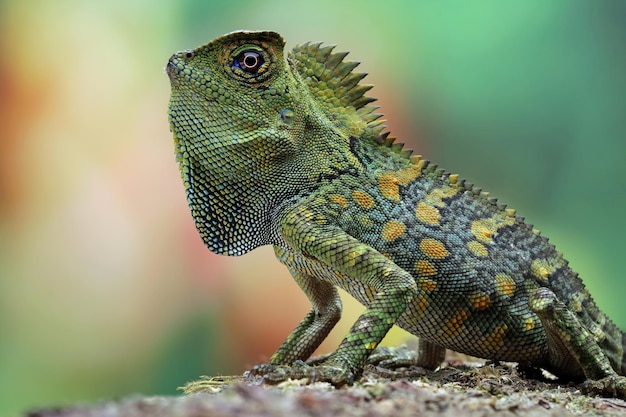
pixel 249 61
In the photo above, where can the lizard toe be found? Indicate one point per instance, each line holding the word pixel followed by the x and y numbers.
pixel 275 374
pixel 611 386
pixel 393 357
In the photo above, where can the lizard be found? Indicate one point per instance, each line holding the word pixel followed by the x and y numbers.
pixel 285 148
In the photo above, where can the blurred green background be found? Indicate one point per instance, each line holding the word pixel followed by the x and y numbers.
pixel 105 287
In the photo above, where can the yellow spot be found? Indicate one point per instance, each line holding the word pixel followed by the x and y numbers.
pixel 363 199
pixel 480 301
pixel 387 255
pixel 495 340
pixel 425 268
pixel 371 345
pixel 454 326
pixel 426 284
pixel 484 229
pixel 477 248
pixel 427 213
pixel 453 178
pixel 529 323
pixel 420 305
pixel 510 212
pixel 433 248
pixel 339 200
pixel 392 230
pixel 543 268
pixel 436 196
pixel 388 186
pixel 505 285
pixel 411 172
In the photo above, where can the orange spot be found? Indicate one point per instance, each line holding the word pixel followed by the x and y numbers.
pixel 363 199
pixel 480 301
pixel 392 230
pixel 477 248
pixel 388 186
pixel 505 285
pixel 454 326
pixel 339 199
pixel 426 284
pixel 433 248
pixel 425 268
pixel 427 213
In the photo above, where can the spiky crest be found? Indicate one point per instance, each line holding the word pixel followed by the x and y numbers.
pixel 336 88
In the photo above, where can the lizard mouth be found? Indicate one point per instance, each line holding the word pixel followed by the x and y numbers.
pixel 171 68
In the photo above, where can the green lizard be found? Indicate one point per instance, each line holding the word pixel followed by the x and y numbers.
pixel 287 151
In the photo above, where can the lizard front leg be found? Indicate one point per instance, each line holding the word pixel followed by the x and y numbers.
pixel 316 325
pixel 311 236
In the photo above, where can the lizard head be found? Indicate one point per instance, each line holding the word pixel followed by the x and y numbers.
pixel 253 129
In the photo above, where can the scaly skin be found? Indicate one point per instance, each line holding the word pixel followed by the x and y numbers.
pixel 288 152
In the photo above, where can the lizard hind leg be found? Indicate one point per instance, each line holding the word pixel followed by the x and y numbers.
pixel 572 350
pixel 427 355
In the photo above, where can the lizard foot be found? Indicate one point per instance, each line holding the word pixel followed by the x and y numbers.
pixel 274 374
pixel 393 357
pixel 610 386
pixel 212 384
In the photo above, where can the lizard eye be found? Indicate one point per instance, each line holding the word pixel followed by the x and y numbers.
pixel 249 61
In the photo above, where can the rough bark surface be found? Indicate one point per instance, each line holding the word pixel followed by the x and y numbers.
pixel 452 391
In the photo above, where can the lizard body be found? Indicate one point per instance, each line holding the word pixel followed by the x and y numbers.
pixel 288 151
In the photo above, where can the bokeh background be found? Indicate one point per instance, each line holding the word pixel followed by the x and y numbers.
pixel 105 287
